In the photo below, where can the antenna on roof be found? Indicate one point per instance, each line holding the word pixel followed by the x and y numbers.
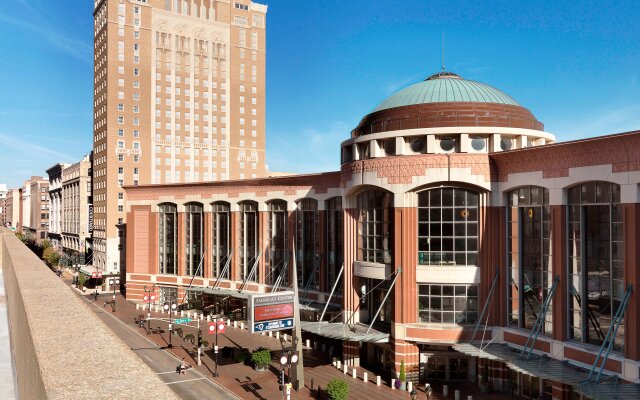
pixel 442 51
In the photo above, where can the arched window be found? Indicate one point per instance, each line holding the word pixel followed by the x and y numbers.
pixel 277 241
pixel 447 227
pixel 221 237
pixel 307 244
pixel 193 239
pixel 334 239
pixel 375 227
pixel 596 261
pixel 529 252
pixel 248 240
pixel 167 227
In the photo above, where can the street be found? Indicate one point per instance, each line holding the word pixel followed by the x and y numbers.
pixel 191 385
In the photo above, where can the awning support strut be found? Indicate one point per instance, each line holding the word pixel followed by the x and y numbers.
pixel 611 335
pixel 486 304
pixel 225 269
pixel 333 289
pixel 395 278
pixel 539 323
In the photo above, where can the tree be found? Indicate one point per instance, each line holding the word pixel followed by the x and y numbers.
pixel 51 256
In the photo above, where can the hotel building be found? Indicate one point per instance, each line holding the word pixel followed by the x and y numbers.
pixel 179 96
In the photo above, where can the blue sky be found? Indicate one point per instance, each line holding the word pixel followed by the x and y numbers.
pixel 575 65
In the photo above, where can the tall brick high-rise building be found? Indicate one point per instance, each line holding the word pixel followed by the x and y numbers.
pixel 179 96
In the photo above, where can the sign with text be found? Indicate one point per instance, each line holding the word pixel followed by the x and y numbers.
pixel 271 312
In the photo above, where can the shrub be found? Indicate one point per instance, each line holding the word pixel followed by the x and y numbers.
pixel 338 389
pixel 205 343
pixel 261 357
pixel 403 373
pixel 51 255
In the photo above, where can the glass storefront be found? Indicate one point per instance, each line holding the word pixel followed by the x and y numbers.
pixel 167 227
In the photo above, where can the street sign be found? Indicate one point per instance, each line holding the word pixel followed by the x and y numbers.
pixel 212 328
pixel 271 312
pixel 182 320
pixel 221 327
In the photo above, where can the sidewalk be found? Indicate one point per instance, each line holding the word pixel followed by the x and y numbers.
pixel 247 383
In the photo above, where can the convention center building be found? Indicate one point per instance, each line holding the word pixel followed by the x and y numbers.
pixel 456 238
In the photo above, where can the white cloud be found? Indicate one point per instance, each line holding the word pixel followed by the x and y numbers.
pixel 73 47
pixel 606 122
pixel 311 150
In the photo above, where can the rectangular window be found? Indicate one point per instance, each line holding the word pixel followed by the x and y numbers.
pixel 448 304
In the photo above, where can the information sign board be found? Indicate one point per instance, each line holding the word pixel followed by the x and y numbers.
pixel 271 312
pixel 182 320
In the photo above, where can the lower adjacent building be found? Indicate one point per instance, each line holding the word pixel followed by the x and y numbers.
pixel 460 239
pixel 3 207
pixel 55 201
pixel 35 208
pixel 12 208
pixel 76 216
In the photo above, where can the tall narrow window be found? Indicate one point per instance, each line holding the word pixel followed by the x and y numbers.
pixel 334 240
pixel 248 240
pixel 529 247
pixel 193 239
pixel 375 240
pixel 447 227
pixel 307 244
pixel 221 236
pixel 167 227
pixel 277 241
pixel 596 261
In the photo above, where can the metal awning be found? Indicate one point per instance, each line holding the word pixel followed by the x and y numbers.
pixel 89 269
pixel 554 370
pixel 226 293
pixel 342 331
pixel 542 366
pixel 609 391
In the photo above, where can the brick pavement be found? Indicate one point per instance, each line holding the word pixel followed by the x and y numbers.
pixel 247 383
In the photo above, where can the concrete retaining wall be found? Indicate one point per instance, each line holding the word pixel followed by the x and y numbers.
pixel 61 350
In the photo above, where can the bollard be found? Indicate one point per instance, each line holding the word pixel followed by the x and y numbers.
pixel 393 384
pixel 188 314
pixel 241 325
pixel 354 373
pixel 261 333
pixel 137 306
pixel 469 397
pixel 156 308
pixel 285 337
pixel 334 360
pixel 182 313
pixel 270 334
pixel 345 368
pixel 379 380
pixel 235 324
pixel 409 386
pixel 308 343
pixel 278 335
pixel 365 377
pixel 339 364
pixel 456 395
pixel 445 390
pixel 208 318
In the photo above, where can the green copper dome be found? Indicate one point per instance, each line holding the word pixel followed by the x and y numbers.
pixel 445 87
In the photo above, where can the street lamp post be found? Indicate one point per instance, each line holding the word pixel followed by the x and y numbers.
pixel 287 361
pixel 113 282
pixel 170 306
pixel 149 296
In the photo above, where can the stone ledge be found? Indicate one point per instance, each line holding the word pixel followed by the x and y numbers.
pixel 61 349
